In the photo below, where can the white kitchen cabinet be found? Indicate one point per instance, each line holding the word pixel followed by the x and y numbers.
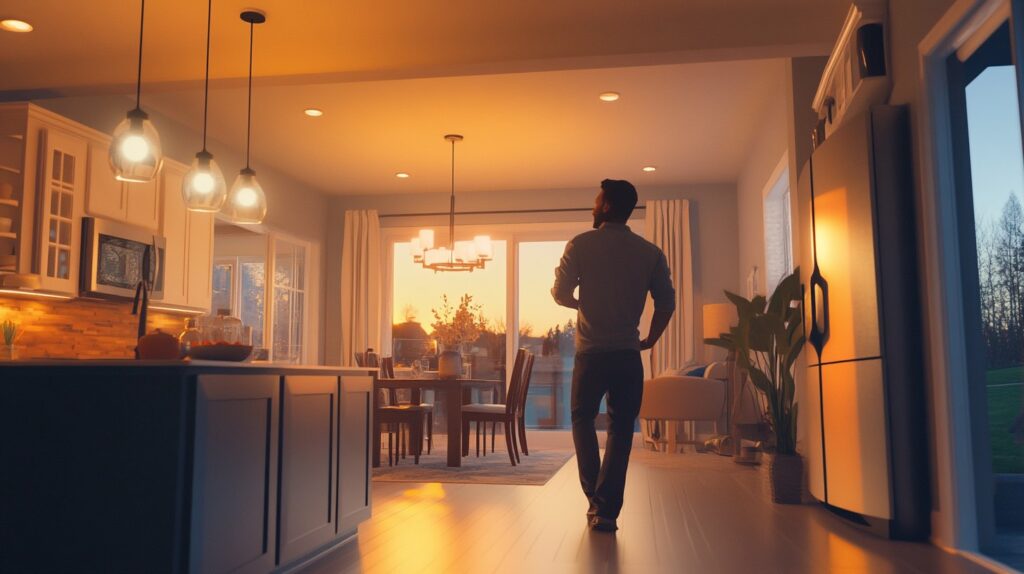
pixel 142 204
pixel 200 259
pixel 173 223
pixel 188 260
pixel 104 195
pixel 355 428
pixel 62 173
pixel 133 203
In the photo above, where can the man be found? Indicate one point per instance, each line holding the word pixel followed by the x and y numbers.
pixel 614 269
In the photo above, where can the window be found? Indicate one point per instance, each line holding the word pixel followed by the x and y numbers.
pixel 417 293
pixel 513 292
pixel 989 171
pixel 276 310
pixel 548 330
pixel 289 301
pixel 778 237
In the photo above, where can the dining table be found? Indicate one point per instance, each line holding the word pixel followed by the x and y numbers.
pixel 453 392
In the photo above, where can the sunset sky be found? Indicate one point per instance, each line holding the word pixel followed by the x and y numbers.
pixel 422 289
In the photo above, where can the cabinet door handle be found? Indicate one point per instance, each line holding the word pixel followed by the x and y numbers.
pixel 819 331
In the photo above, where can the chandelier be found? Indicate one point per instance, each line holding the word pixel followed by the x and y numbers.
pixel 465 255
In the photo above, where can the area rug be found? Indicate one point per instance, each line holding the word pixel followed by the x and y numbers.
pixel 495 468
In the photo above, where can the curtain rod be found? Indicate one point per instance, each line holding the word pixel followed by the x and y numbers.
pixel 498 212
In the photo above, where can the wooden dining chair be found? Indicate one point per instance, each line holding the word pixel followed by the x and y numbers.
pixel 396 416
pixel 524 390
pixel 497 413
pixel 387 371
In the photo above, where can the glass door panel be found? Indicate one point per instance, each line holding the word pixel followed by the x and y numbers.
pixel 990 182
pixel 548 330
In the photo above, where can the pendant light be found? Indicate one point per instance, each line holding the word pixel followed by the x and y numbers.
pixel 464 255
pixel 246 202
pixel 203 188
pixel 135 153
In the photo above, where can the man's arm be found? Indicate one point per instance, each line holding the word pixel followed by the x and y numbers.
pixel 567 277
pixel 664 296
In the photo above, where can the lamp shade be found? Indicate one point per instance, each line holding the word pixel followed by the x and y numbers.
pixel 135 152
pixel 246 202
pixel 718 318
pixel 203 188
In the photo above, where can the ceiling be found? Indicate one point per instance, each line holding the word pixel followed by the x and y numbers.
pixel 541 130
pixel 519 79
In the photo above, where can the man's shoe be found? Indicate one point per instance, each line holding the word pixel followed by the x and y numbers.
pixel 602 524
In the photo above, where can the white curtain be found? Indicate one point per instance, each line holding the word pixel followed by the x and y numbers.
pixel 361 284
pixel 668 226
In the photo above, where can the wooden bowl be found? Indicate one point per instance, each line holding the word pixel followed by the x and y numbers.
pixel 220 352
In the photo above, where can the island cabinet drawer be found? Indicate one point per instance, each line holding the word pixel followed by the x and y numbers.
pixel 234 481
pixel 309 472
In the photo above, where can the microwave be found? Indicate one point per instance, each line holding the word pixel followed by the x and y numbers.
pixel 113 256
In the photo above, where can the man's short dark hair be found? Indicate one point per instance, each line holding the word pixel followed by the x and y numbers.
pixel 620 195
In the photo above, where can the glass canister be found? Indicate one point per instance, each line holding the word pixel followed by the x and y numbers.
pixel 190 336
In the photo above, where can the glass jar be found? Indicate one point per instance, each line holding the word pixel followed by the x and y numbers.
pixel 190 336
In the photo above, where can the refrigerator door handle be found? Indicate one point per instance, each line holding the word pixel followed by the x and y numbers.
pixel 819 331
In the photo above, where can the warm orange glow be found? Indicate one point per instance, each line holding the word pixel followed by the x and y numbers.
pixel 33 294
pixel 650 168
pixel 12 25
pixel 402 175
pixel 313 112
pixel 609 96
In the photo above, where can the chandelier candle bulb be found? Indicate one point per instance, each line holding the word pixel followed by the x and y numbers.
pixel 484 251
pixel 426 239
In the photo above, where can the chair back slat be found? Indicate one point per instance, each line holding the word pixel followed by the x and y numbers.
pixel 372 359
pixel 360 359
pixel 387 371
pixel 524 386
pixel 517 377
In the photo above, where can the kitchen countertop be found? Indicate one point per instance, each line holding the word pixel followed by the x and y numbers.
pixel 187 365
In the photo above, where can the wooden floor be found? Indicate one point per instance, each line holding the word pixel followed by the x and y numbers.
pixel 683 513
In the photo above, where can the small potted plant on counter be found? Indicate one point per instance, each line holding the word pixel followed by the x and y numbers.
pixel 767 341
pixel 11 333
pixel 454 328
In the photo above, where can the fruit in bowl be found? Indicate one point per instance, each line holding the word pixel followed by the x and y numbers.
pixel 219 351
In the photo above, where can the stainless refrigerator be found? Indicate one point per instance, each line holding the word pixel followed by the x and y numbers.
pixel 866 445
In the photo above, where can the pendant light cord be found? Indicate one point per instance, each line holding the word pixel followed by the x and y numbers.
pixel 451 214
pixel 248 125
pixel 138 77
pixel 206 84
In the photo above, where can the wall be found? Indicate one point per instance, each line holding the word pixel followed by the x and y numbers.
pixel 767 149
pixel 81 329
pixel 292 207
pixel 713 209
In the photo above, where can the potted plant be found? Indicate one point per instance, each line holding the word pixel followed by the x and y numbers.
pixel 455 327
pixel 11 332
pixel 767 341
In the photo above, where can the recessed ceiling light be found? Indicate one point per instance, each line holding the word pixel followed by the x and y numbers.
pixel 12 25
pixel 402 175
pixel 313 112
pixel 609 96
pixel 650 168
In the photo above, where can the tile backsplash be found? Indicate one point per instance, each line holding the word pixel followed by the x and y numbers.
pixel 79 328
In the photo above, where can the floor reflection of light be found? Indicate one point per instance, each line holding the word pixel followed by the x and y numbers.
pixel 422 537
pixel 845 556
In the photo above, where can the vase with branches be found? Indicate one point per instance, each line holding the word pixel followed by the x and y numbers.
pixel 767 341
pixel 455 327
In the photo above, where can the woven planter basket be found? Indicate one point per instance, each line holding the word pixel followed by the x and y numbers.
pixel 784 474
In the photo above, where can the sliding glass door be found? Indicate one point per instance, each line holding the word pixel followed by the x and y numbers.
pixel 989 170
pixel 547 330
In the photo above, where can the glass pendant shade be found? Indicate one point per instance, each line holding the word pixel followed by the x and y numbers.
pixel 204 188
pixel 246 202
pixel 135 152
pixel 465 251
pixel 426 238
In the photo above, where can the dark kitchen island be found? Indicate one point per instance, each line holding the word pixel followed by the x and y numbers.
pixel 179 466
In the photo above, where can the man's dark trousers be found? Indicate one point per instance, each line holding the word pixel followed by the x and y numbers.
pixel 620 374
